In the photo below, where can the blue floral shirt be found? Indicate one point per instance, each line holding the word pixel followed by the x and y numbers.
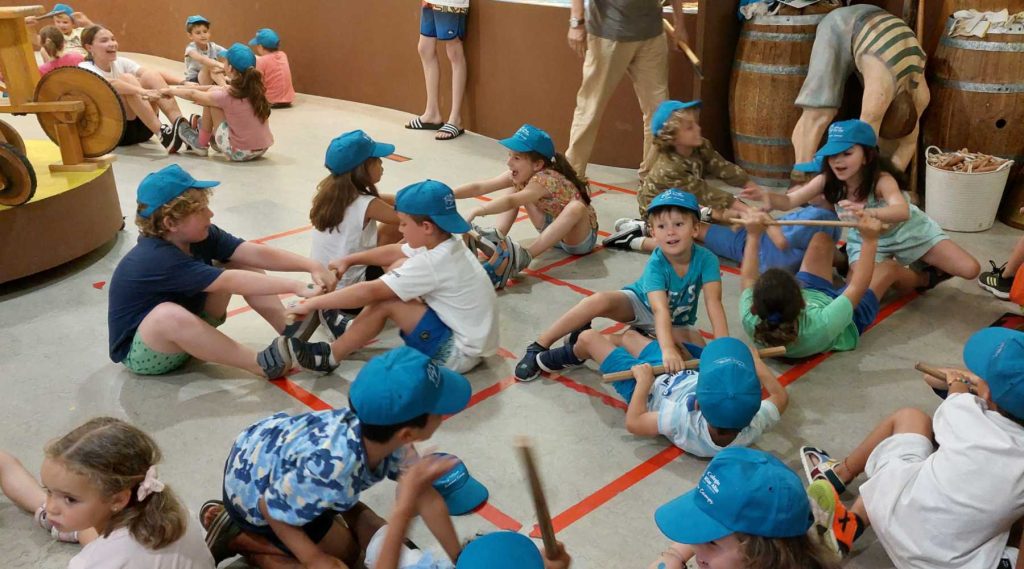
pixel 303 466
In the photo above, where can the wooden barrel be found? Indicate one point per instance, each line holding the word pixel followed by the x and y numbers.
pixel 771 63
pixel 977 88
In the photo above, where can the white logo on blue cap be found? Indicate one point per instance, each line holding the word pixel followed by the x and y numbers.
pixel 433 374
pixel 449 201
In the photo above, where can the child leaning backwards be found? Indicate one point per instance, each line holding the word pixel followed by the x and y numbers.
pixel 555 198
pixel 663 302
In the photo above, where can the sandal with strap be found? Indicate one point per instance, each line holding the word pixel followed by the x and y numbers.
pixel 448 131
pixel 818 465
pixel 418 124
pixel 221 531
pixel 935 276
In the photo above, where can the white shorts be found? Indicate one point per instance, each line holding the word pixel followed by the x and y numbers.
pixel 451 357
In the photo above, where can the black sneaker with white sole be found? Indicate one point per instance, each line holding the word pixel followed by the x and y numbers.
pixel 623 238
pixel 276 359
pixel 314 356
pixel 527 369
pixel 335 322
pixel 169 137
pixel 302 329
pixel 994 281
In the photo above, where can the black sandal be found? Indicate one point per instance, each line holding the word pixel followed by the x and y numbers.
pixel 449 132
pixel 935 276
pixel 417 124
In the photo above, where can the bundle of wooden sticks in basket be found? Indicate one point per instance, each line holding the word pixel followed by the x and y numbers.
pixel 965 161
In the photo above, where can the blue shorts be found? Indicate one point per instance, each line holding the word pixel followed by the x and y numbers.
pixel 621 360
pixel 725 242
pixel 431 336
pixel 863 314
pixel 442 25
pixel 584 247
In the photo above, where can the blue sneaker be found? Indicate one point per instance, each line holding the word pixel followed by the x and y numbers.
pixel 526 369
pixel 558 359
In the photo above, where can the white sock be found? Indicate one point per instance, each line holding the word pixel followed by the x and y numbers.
pixel 408 557
pixel 637 243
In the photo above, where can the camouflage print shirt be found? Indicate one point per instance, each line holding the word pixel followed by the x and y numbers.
pixel 688 173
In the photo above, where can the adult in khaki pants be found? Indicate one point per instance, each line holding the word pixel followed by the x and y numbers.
pixel 618 37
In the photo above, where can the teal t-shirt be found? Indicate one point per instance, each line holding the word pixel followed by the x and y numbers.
pixel 824 324
pixel 683 291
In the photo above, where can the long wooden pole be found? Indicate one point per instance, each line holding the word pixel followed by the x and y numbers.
pixel 688 364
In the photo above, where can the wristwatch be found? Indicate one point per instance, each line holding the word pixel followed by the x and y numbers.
pixel 575 22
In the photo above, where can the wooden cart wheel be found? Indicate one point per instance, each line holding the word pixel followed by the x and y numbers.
pixel 11 136
pixel 101 125
pixel 17 177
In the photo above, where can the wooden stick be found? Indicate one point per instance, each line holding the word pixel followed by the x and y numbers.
pixel 930 370
pixel 810 222
pixel 686 49
pixel 540 502
pixel 688 364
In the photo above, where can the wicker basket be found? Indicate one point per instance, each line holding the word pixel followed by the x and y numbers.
pixel 959 201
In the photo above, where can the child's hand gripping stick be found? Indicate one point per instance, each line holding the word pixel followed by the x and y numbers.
pixel 688 364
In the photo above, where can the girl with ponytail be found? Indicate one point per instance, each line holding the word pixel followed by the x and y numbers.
pixel 52 41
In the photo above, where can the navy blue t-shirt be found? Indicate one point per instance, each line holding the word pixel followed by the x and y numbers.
pixel 154 272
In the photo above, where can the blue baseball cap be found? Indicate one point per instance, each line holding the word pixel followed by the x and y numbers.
pixel 63 9
pixel 675 197
pixel 461 492
pixel 196 19
pixel 530 138
pixel 728 391
pixel 266 37
pixel 812 167
pixel 844 134
pixel 353 148
pixel 997 356
pixel 501 550
pixel 240 56
pixel 742 490
pixel 665 110
pixel 404 384
pixel 435 200
pixel 167 183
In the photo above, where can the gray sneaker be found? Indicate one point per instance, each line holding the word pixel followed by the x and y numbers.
pixel 189 136
pixel 276 359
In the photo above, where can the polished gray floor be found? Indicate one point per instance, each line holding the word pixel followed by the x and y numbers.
pixel 603 484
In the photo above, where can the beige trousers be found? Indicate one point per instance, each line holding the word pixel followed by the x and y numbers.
pixel 646 63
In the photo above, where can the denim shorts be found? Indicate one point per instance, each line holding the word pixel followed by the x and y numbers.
pixel 582 248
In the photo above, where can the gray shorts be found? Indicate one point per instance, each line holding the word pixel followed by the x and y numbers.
pixel 643 318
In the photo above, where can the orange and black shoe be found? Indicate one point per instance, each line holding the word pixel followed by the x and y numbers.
pixel 834 524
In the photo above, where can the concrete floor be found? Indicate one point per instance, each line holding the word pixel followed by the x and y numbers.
pixel 603 484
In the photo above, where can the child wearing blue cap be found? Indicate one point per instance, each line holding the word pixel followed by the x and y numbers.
pixel 701 411
pixel 71 24
pixel 167 297
pixel 498 550
pixel 273 64
pixel 853 176
pixel 203 57
pixel 683 160
pixel 556 199
pixel 942 491
pixel 287 477
pixel 442 21
pixel 236 116
pixel 350 216
pixel 748 511
pixel 141 89
pixel 436 292
pixel 661 303
pixel 805 312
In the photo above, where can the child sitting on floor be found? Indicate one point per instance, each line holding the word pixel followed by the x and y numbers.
pixel 943 491
pixel 436 291
pixel 999 281
pixel 345 215
pixel 701 411
pixel 167 297
pixel 555 198
pixel 663 302
pixel 71 24
pixel 54 46
pixel 288 477
pixel 854 177
pixel 273 64
pixel 806 313
pixel 202 56
pixel 498 550
pixel 236 116
pixel 747 512
pixel 684 159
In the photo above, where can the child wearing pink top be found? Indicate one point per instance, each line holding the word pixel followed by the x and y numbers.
pixel 52 41
pixel 235 116
pixel 273 64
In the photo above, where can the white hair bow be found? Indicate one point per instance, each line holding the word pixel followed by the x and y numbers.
pixel 151 485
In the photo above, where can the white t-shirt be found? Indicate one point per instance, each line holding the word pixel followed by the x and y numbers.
pixel 954 509
pixel 453 283
pixel 120 551
pixel 118 67
pixel 352 235
pixel 674 397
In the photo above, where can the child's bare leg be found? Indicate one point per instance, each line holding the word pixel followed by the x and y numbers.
pixel 373 318
pixel 432 77
pixel 610 304
pixel 818 258
pixel 688 334
pixel 593 345
pixel 268 306
pixel 571 226
pixel 170 328
pixel 151 79
pixel 1015 261
pixel 204 76
pixel 216 117
pixel 885 275
pixel 457 57
pixel 273 561
pixel 19 485
pixel 142 109
pixel 951 258
pixel 363 523
pixel 504 221
pixel 907 420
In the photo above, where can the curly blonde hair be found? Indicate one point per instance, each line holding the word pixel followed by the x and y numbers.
pixel 193 200
pixel 665 141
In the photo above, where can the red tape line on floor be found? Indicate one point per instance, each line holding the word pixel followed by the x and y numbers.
pixel 612 188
